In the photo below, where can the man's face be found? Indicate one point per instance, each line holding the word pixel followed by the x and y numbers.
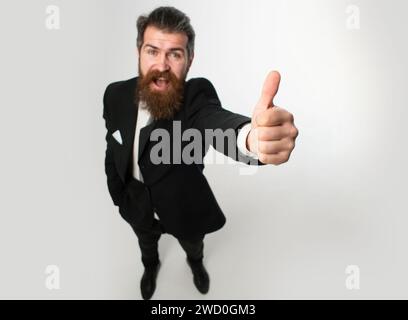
pixel 163 67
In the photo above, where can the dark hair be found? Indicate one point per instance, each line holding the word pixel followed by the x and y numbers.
pixel 168 19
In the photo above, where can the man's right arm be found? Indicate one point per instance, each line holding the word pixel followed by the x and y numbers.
pixel 115 185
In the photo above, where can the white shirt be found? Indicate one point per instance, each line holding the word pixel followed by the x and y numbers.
pixel 144 118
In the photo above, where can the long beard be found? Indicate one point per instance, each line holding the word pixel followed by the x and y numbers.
pixel 161 104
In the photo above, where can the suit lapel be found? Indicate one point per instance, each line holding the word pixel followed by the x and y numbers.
pixel 128 120
pixel 128 124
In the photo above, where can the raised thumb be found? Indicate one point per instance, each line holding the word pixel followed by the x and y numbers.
pixel 269 90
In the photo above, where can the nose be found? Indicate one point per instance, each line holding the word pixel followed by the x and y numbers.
pixel 163 63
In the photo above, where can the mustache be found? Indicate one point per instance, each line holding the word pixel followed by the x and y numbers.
pixel 156 74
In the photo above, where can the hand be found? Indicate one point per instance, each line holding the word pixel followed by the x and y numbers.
pixel 273 133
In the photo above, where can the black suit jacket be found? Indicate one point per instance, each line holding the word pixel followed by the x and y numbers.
pixel 179 193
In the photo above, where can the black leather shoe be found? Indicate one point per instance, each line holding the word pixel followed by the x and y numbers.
pixel 148 282
pixel 200 276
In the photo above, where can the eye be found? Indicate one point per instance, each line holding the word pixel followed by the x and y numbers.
pixel 175 54
pixel 151 52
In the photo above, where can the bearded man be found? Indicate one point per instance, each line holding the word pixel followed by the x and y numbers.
pixel 175 198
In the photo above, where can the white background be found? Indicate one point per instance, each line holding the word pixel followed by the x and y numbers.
pixel 291 230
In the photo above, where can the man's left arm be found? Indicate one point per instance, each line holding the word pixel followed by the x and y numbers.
pixel 267 138
pixel 218 126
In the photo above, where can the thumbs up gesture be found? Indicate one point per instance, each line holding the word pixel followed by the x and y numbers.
pixel 273 133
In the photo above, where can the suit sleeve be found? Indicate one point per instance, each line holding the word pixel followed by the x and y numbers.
pixel 115 184
pixel 206 114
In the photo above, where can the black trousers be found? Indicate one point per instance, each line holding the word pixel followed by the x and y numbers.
pixel 148 243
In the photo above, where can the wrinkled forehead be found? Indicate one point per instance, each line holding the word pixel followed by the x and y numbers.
pixel 163 39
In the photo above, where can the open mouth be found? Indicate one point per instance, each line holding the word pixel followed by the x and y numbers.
pixel 161 83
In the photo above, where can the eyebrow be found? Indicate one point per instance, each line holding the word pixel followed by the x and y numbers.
pixel 171 49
